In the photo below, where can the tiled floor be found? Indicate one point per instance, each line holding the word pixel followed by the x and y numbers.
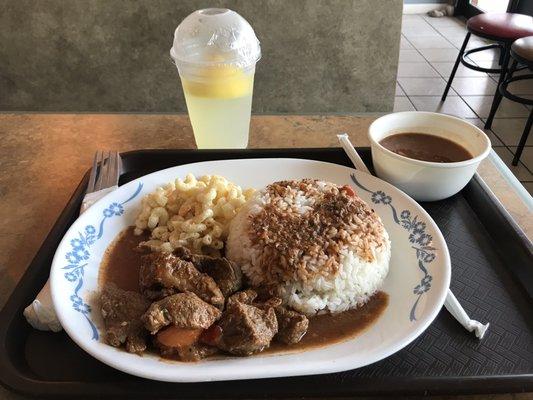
pixel 428 49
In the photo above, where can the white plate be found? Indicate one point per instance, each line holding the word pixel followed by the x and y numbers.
pixel 417 282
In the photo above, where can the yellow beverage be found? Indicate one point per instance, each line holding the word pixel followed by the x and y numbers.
pixel 219 102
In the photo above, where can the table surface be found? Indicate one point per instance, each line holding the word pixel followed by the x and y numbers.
pixel 44 156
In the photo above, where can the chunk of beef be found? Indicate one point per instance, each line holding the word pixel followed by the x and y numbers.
pixel 292 325
pixel 193 352
pixel 121 312
pixel 184 310
pixel 250 296
pixel 246 329
pixel 163 274
pixel 226 273
pixel 211 335
pixel 196 352
pixel 273 302
pixel 246 297
pixel 183 252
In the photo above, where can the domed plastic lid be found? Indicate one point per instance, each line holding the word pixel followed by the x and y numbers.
pixel 215 36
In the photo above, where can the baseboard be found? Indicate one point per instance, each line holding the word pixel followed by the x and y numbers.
pixel 421 8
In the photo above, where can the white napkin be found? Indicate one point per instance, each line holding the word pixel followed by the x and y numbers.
pixel 40 313
pixel 91 198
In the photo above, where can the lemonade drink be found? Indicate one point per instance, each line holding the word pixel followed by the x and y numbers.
pixel 219 102
pixel 216 51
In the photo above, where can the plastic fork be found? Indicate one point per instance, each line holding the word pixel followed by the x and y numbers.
pixel 105 171
pixel 103 178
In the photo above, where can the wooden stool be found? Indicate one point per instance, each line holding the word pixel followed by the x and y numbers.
pixel 521 53
pixel 502 28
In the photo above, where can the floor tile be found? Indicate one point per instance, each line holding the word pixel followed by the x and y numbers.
pixel 520 171
pixel 415 23
pixel 419 17
pixel 523 87
pixel 494 140
pixel 444 21
pixel 473 42
pixel 455 30
pixel 493 64
pixel 431 42
pixel 423 86
pixel 457 41
pixel 453 105
pixel 526 157
pixel 485 55
pixel 494 77
pixel 521 72
pixel 412 19
pixel 438 55
pixel 416 70
pixel 529 187
pixel 474 86
pixel 507 109
pixel 402 104
pixel 509 130
pixel 445 69
pixel 411 32
pixel 399 91
pixel 410 56
pixel 404 44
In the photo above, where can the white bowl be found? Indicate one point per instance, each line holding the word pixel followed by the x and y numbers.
pixel 424 180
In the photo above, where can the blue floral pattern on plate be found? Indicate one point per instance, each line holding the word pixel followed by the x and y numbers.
pixel 418 237
pixel 79 254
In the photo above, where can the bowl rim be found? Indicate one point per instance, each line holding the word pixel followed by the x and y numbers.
pixel 458 164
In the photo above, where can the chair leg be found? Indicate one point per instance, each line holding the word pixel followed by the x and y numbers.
pixel 502 55
pixel 454 70
pixel 498 96
pixel 523 139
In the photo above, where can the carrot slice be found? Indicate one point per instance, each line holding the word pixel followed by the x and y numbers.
pixel 349 191
pixel 178 337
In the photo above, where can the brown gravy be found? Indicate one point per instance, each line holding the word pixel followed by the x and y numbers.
pixel 424 147
pixel 328 329
pixel 120 265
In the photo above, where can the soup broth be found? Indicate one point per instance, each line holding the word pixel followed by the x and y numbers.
pixel 424 147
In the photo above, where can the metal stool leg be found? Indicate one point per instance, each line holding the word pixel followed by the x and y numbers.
pixel 523 139
pixel 501 57
pixel 454 70
pixel 497 96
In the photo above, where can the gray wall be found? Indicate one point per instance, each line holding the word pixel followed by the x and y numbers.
pixel 111 55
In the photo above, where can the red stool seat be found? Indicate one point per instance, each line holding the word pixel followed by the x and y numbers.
pixel 505 26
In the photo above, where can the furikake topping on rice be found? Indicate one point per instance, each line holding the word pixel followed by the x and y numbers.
pixel 305 225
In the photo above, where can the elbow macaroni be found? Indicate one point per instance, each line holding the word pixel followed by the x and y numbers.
pixel 193 213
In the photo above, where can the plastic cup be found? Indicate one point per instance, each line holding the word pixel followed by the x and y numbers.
pixel 215 51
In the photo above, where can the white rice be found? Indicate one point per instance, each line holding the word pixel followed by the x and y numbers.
pixel 355 281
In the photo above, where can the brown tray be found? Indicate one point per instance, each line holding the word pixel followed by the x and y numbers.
pixel 492 277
